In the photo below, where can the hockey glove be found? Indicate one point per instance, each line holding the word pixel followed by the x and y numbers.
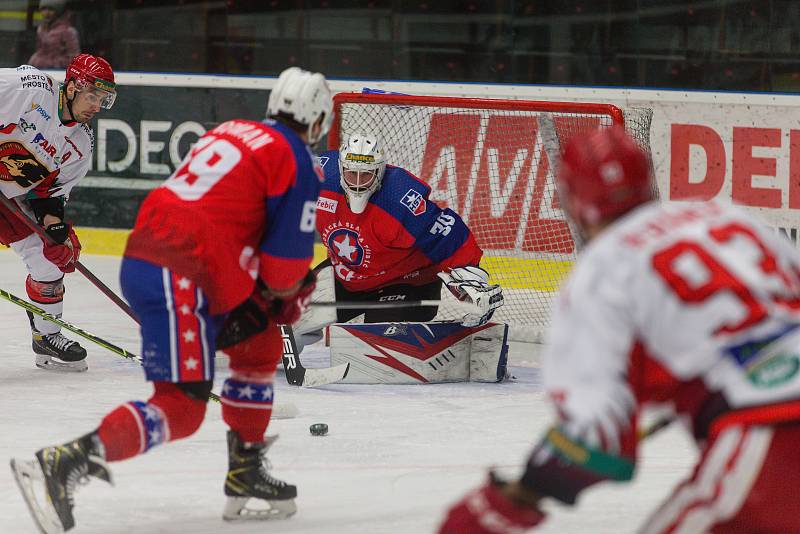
pixel 487 510
pixel 246 320
pixel 471 284
pixel 289 305
pixel 66 250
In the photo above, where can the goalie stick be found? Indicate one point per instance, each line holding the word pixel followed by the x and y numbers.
pixel 280 411
pixel 297 375
pixel 38 230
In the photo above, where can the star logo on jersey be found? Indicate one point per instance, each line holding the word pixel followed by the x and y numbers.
pixel 414 201
pixel 343 243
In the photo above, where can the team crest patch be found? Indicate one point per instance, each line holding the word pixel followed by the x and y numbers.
pixel 414 202
pixel 20 166
pixel 327 204
pixel 343 243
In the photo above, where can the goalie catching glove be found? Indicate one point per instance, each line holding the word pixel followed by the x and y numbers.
pixel 471 284
pixel 264 305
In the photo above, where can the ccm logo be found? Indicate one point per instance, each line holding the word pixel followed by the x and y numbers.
pixel 288 353
pixel 389 298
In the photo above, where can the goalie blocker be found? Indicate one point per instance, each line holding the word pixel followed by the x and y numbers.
pixel 420 353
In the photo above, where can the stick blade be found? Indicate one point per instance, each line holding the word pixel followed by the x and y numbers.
pixel 326 375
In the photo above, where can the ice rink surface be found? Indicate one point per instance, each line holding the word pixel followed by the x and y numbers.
pixel 394 458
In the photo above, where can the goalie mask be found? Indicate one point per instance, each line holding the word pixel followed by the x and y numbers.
pixel 361 166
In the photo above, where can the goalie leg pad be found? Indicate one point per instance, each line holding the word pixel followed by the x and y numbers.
pixel 488 359
pixel 406 353
pixel 316 318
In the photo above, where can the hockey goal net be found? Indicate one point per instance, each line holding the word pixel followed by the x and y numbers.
pixel 487 160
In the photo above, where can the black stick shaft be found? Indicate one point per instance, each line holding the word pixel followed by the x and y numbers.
pixel 12 207
pixel 355 305
pixel 81 332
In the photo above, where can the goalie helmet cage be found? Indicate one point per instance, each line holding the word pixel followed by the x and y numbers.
pixel 487 160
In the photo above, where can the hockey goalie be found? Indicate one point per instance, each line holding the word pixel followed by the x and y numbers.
pixel 388 242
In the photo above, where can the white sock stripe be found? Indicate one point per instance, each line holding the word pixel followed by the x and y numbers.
pixel 703 484
pixel 735 484
pixel 249 405
pixel 139 424
pixel 166 276
pixel 721 486
pixel 164 423
pixel 207 358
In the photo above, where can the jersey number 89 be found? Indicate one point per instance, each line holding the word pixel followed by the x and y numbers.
pixel 206 164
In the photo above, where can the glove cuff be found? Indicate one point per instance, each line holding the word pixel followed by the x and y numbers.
pixel 58 231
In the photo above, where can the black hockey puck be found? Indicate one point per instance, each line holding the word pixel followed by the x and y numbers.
pixel 318 429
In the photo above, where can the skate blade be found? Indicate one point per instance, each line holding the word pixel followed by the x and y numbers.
pixel 236 509
pixel 28 476
pixel 44 361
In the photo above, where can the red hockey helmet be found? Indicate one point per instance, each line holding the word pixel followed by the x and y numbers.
pixel 93 72
pixel 603 174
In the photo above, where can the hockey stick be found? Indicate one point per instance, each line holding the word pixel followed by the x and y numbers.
pixel 655 428
pixel 372 305
pixel 297 375
pixel 12 207
pixel 72 328
pixel 281 411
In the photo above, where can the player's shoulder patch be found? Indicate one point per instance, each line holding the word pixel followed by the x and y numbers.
pixel 414 201
pixel 329 162
pixel 402 193
pixel 327 204
pixel 32 79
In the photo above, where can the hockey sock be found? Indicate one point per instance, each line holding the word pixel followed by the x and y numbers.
pixel 135 427
pixel 247 406
pixel 50 297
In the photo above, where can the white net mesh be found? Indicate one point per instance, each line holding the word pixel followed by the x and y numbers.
pixel 486 160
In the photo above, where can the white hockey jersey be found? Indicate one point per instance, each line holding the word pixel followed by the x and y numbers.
pixel 38 153
pixel 689 304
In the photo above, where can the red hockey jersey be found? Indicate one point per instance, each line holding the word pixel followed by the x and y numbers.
pixel 402 237
pixel 240 206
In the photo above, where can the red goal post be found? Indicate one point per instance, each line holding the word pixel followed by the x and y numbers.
pixel 487 160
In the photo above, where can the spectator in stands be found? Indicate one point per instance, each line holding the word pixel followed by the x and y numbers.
pixel 57 39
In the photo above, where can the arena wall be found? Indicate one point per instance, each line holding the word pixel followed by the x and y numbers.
pixel 740 147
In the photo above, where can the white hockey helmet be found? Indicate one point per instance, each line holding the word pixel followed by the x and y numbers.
pixel 303 96
pixel 361 165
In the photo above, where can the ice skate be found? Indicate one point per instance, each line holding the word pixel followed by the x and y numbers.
pixel 48 483
pixel 253 494
pixel 58 353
